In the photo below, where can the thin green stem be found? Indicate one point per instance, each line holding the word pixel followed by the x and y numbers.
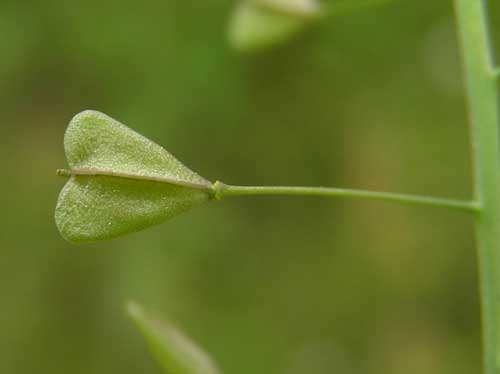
pixel 313 11
pixel 222 190
pixel 482 97
pixel 352 6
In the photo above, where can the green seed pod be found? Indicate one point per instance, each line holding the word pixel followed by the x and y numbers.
pixel 260 24
pixel 173 350
pixel 120 181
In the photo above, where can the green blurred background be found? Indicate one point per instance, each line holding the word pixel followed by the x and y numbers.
pixel 275 285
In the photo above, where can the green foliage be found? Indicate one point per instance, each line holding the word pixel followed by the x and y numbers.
pixel 120 181
pixel 174 351
pixel 260 24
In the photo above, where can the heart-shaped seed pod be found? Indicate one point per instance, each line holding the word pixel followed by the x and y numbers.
pixel 120 181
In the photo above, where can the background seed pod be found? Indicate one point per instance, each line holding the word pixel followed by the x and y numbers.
pixel 261 24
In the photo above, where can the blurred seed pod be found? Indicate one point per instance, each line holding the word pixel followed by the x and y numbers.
pixel 174 351
pixel 261 24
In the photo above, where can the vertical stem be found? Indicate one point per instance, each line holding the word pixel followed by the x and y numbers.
pixel 483 104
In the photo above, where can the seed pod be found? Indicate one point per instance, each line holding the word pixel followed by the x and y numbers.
pixel 174 351
pixel 120 181
pixel 260 24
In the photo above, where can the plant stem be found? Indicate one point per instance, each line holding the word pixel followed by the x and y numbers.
pixel 223 190
pixel 314 11
pixel 484 112
pixel 351 6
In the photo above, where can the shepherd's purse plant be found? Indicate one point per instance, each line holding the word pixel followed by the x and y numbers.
pixel 121 182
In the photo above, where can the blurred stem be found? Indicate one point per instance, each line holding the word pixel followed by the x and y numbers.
pixel 482 96
pixel 351 6
pixel 312 10
pixel 223 190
